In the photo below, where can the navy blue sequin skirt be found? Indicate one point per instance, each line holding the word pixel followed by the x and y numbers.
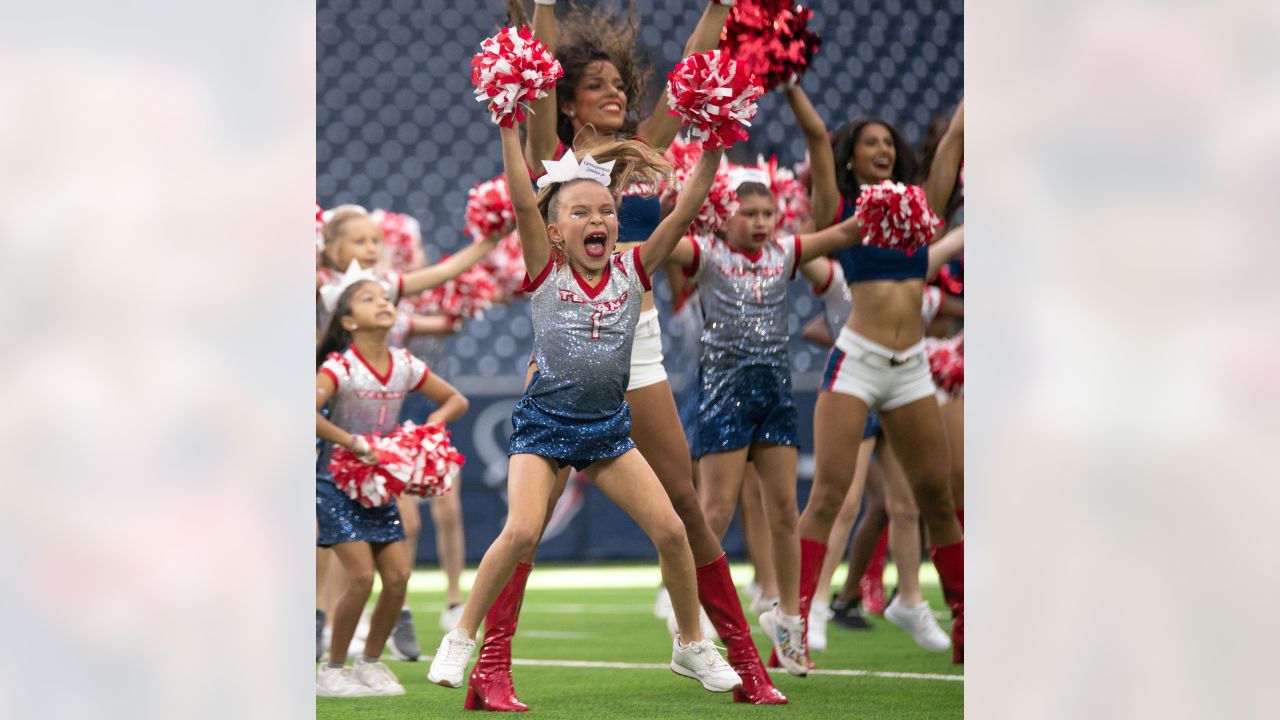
pixel 569 441
pixel 753 405
pixel 341 519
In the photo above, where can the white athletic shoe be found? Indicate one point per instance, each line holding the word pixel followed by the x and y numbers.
pixel 762 604
pixel 704 624
pixel 451 616
pixel 662 605
pixel 702 662
pixel 338 682
pixel 451 660
pixel 377 677
pixel 819 615
pixel 919 622
pixel 788 641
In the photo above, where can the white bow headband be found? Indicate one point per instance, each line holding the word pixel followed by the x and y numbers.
pixel 739 175
pixel 567 168
pixel 329 294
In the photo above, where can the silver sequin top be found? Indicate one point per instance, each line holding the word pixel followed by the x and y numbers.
pixel 364 401
pixel 582 336
pixel 744 302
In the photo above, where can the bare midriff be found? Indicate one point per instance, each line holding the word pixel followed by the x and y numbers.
pixel 887 312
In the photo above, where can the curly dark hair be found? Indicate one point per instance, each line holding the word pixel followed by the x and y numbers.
pixel 842 142
pixel 600 32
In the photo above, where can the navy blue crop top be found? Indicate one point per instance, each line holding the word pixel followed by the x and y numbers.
pixel 862 263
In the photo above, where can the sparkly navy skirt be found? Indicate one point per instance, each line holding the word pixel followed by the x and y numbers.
pixel 341 519
pixel 872 428
pixel 744 406
pixel 569 441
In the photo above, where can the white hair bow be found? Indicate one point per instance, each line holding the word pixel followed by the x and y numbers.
pixel 329 294
pixel 746 174
pixel 567 168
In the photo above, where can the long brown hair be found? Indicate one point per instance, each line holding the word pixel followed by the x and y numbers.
pixel 600 32
pixel 336 338
pixel 842 142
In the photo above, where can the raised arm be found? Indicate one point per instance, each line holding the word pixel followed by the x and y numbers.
pixel 825 242
pixel 941 182
pixel 540 128
pixel 533 231
pixel 661 126
pixel 822 165
pixel 415 281
pixel 942 250
pixel 658 247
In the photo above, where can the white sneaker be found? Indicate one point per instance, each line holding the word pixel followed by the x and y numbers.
pixel 377 677
pixel 704 624
pixel 762 604
pixel 702 662
pixel 919 622
pixel 662 605
pixel 452 658
pixel 338 682
pixel 788 641
pixel 819 615
pixel 451 616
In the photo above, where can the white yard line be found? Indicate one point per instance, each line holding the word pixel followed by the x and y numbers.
pixel 589 664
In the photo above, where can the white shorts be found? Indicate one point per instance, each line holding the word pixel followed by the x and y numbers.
pixel 882 378
pixel 646 353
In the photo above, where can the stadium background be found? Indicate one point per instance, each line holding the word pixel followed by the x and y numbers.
pixel 397 128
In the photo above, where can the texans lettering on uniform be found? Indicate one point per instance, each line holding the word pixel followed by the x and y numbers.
pixel 751 271
pixel 614 305
pixel 378 394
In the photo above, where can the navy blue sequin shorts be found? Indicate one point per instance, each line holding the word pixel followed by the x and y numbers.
pixel 569 441
pixel 754 405
pixel 341 519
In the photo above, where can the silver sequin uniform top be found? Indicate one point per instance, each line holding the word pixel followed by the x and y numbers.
pixel 744 303
pixel 364 402
pixel 582 337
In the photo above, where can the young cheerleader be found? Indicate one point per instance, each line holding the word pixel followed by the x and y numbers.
pixel 364 381
pixel 585 302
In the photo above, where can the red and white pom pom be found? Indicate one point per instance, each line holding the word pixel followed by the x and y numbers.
pixel 466 296
pixel 948 281
pixel 372 485
pixel 505 264
pixel 489 208
pixel 402 236
pixel 319 227
pixel 715 96
pixel 896 216
pixel 436 462
pixel 946 363
pixel 770 38
pixel 720 205
pixel 791 198
pixel 512 69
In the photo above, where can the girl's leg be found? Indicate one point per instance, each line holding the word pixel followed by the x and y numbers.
pixel 656 430
pixel 324 556
pixel 874 521
pixel 842 529
pixel 532 479
pixel 658 435
pixel 629 482
pixel 777 467
pixel 357 563
pixel 756 530
pixel 446 515
pixel 392 561
pixel 904 528
pixel 837 419
pixel 721 477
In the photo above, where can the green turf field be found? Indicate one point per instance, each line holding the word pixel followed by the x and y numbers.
pixel 606 615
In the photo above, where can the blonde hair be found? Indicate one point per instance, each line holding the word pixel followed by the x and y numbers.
pixel 633 162
pixel 333 228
